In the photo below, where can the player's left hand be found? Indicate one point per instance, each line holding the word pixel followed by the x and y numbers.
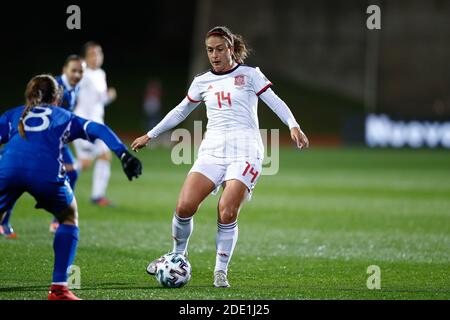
pixel 131 165
pixel 300 139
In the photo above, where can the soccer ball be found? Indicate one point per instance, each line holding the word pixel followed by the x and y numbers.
pixel 174 271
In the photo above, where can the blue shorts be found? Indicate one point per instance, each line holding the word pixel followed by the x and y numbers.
pixel 50 193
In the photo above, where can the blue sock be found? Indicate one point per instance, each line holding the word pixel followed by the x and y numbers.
pixel 7 216
pixel 65 247
pixel 73 177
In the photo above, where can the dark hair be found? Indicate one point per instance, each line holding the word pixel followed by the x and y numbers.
pixel 42 89
pixel 87 46
pixel 72 57
pixel 241 49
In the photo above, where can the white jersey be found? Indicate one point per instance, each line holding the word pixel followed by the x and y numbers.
pixel 93 95
pixel 231 100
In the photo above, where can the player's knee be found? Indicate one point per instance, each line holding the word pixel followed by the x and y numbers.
pixel 68 215
pixel 186 209
pixel 105 156
pixel 67 218
pixel 227 213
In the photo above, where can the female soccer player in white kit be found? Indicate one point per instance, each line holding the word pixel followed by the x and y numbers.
pixel 231 153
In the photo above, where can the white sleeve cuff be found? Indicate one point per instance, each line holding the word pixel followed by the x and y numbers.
pixel 293 124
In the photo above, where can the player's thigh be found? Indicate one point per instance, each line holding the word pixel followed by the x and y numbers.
pixel 195 189
pixel 10 190
pixel 53 196
pixel 7 200
pixel 246 171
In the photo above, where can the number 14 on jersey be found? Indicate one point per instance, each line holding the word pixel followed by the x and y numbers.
pixel 221 97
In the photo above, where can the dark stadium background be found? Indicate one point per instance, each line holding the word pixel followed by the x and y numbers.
pixel 139 41
pixel 317 54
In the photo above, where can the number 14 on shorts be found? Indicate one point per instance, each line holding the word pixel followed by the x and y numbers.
pixel 249 169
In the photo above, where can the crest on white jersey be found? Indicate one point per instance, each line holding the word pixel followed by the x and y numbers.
pixel 239 80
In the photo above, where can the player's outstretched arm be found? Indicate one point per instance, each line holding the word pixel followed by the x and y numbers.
pixel 130 164
pixel 171 120
pixel 284 113
pixel 91 131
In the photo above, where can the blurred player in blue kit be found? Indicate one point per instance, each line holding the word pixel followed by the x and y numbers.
pixel 32 161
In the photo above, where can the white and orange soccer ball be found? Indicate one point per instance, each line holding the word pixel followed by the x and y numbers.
pixel 173 271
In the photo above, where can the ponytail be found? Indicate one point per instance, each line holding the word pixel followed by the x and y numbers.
pixel 21 127
pixel 241 50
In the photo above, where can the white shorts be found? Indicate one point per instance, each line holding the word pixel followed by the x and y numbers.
pixel 87 150
pixel 246 171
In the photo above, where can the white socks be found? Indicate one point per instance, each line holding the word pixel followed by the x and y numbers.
pixel 227 235
pixel 100 179
pixel 181 231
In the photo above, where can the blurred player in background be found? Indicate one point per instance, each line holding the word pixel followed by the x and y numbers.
pixel 231 153
pixel 69 84
pixel 152 103
pixel 35 135
pixel 94 95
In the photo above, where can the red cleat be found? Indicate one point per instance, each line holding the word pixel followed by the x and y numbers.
pixel 58 292
pixel 7 231
pixel 103 202
pixel 11 236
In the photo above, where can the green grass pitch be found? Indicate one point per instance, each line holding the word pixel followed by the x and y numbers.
pixel 310 232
